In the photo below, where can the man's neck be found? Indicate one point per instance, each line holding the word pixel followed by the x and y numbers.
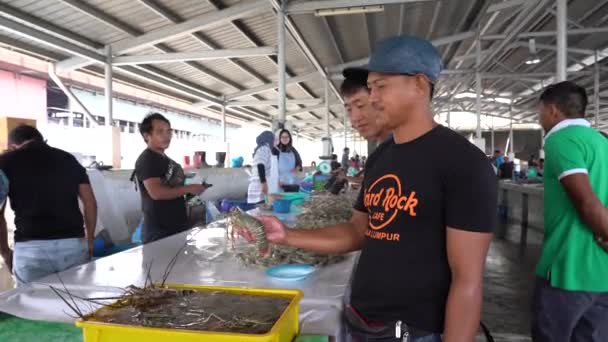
pixel 385 134
pixel 413 129
pixel 157 150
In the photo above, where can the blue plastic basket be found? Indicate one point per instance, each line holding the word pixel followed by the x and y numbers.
pixel 281 206
pixel 227 204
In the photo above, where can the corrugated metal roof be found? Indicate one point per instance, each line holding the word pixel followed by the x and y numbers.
pixel 333 40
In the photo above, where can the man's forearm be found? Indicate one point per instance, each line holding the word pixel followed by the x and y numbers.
pixel 164 192
pixel 90 221
pixel 596 218
pixel 463 312
pixel 341 238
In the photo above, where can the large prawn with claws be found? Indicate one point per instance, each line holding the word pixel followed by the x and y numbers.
pixel 250 227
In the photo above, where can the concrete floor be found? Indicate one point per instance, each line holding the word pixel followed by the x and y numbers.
pixel 508 283
pixel 508 286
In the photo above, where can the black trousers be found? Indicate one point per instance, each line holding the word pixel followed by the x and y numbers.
pixel 568 316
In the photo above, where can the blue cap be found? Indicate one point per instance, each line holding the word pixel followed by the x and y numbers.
pixel 406 55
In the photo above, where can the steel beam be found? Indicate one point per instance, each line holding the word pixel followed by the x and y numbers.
pixel 194 56
pixel 165 33
pixel 50 40
pixel 436 42
pixel 545 34
pixel 505 5
pixel 436 11
pixel 529 74
pixel 310 109
pixel 273 103
pixel 151 76
pixel 272 85
pixel 554 48
pixel 59 32
pixel 312 6
pixel 332 39
pixel 68 92
pixel 239 26
pixel 528 13
pixel 301 43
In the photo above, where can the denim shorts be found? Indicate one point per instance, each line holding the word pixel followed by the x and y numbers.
pixel 36 259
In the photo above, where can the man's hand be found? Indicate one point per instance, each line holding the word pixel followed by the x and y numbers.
pixel 602 242
pixel 7 256
pixel 196 189
pixel 275 229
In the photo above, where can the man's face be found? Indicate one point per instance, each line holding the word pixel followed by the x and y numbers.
pixel 363 117
pixel 394 96
pixel 160 136
pixel 548 116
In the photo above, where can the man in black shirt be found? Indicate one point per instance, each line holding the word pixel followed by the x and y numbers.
pixel 45 184
pixel 505 171
pixel 161 182
pixel 363 116
pixel 424 217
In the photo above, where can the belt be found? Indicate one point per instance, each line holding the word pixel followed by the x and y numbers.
pixel 380 329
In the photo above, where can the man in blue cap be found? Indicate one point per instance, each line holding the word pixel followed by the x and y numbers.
pixel 423 219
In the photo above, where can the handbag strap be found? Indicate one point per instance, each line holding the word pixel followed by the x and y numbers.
pixel 486 332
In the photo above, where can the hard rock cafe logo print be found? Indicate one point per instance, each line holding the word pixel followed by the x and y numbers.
pixel 384 200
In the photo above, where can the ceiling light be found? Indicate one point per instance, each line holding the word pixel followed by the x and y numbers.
pixel 533 61
pixel 348 10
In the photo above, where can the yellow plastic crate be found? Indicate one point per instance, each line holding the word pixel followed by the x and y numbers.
pixel 284 330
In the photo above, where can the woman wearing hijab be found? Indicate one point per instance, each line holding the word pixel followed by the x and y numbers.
pixel 258 186
pixel 289 158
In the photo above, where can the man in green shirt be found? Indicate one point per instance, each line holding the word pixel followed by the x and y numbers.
pixel 570 301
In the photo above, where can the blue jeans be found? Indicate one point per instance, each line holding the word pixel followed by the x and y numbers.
pixel 568 316
pixel 36 259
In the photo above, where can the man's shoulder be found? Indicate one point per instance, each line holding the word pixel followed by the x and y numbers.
pixel 380 149
pixel 148 157
pixel 573 136
pixel 460 155
pixel 6 157
pixel 147 154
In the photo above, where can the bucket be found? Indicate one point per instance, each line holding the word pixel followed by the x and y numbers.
pixel 281 206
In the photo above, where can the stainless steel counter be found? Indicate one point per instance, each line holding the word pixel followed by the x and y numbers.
pixel 521 204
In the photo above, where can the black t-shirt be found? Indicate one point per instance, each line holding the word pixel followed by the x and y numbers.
pixel 374 156
pixel 163 217
pixel 43 190
pixel 412 192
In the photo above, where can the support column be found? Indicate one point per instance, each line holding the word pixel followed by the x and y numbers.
pixel 562 39
pixel 327 129
pixel 492 137
pixel 511 144
pixel 71 117
pixel 224 122
pixel 596 91
pixel 112 130
pixel 541 153
pixel 449 122
pixel 281 65
pixel 108 89
pixel 478 88
pixel 345 129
